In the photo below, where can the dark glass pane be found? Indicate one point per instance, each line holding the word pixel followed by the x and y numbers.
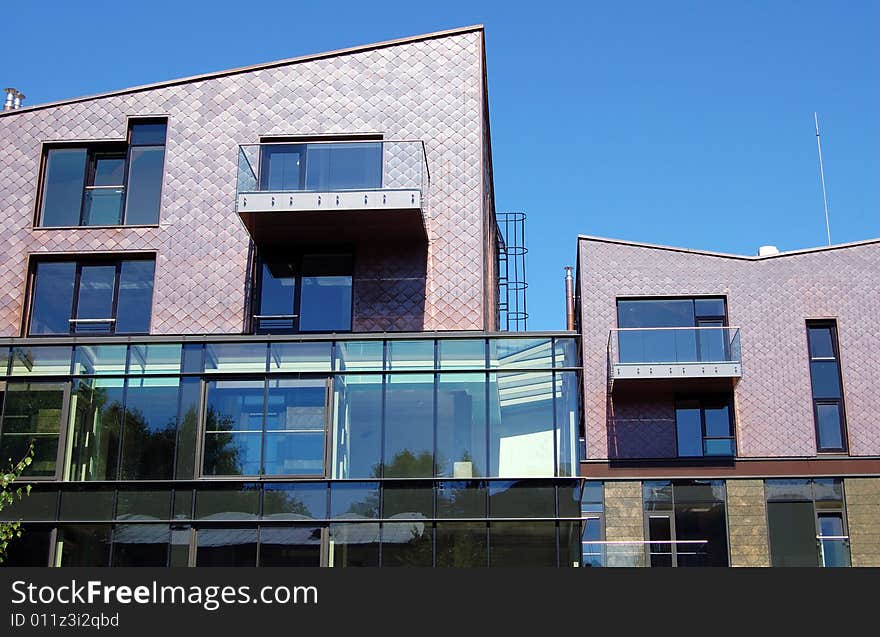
pixel 295 423
pixel 407 544
pixel 358 426
pixel 792 528
pixel 829 426
pixel 522 544
pixel 701 530
pixel 354 544
pixel 109 170
pixel 834 545
pixel 148 133
pixel 135 297
pixel 465 499
pixel 187 435
pixel 183 502
pixel 96 409
pixel 788 489
pixel 277 291
pixel 144 185
pixel 141 504
pixel 53 298
pixel 141 544
pixel 31 549
pixel 233 502
pixel 408 500
pixel 594 494
pixel 179 551
pixel 461 425
pixel 657 495
pixel 826 379
pixel 97 287
pixel 103 206
pixel 63 186
pixel 717 420
pixel 569 544
pixel 297 501
pixel 290 546
pixel 83 545
pixel 353 500
pixel 226 547
pixel 150 428
pixel 821 342
pixel 656 313
pixel 569 495
pixel 32 413
pixel 92 504
pixel 461 544
pixel 193 361
pixel 828 492
pixel 409 426
pixel 699 491
pixel 521 425
pixel 591 551
pixel 522 499
pixel 660 536
pixel 233 427
pixel 689 428
pixel 282 167
pixel 710 307
pixel 339 166
pixel 325 298
pixel 38 505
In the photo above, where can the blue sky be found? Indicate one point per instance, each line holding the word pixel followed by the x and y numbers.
pixel 682 123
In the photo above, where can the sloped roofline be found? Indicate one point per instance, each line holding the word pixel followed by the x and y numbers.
pixel 724 255
pixel 254 67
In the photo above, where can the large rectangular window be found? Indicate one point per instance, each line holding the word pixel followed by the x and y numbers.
pixel 32 414
pixel 828 406
pixel 704 426
pixel 105 183
pixel 321 167
pixel 107 296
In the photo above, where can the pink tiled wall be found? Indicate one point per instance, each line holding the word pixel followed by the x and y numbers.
pixel 770 299
pixel 430 89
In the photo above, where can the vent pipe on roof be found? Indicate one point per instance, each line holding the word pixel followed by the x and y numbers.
pixel 19 96
pixel 767 251
pixel 13 99
pixel 569 298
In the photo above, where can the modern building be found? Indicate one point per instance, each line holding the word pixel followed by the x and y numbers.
pixel 270 316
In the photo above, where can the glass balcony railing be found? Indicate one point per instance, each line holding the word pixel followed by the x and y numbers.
pixel 103 205
pixel 833 550
pixel 663 345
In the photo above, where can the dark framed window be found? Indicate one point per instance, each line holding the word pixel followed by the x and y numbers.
pixel 305 292
pixel 827 386
pixel 105 183
pixel 704 426
pixel 321 167
pixel 33 412
pixel 95 296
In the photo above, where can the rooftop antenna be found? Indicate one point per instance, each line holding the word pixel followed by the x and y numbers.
pixel 822 175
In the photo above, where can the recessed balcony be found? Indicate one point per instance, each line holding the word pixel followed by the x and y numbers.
pixel 344 190
pixel 704 358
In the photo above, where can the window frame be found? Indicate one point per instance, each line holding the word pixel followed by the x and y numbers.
pixel 831 325
pixel 703 400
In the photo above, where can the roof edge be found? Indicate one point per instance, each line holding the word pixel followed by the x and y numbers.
pixel 724 255
pixel 254 67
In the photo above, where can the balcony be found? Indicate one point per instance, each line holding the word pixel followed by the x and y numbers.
pixel 694 358
pixel 351 191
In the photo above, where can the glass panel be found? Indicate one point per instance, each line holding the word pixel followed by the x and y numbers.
pixel 53 298
pixel 179 552
pixel 83 545
pixel 40 504
pixel 141 544
pixel 591 553
pixel 461 499
pixel 299 501
pixel 295 423
pixel 461 425
pixel 233 427
pixel 655 313
pixel 569 494
pixel 712 339
pixel 834 545
pixel 96 408
pixel 593 494
pixel 226 547
pixel 410 355
pixel 31 549
pixel 290 546
pixel 41 361
pixel 522 544
pixel 143 504
pixel 277 293
pixel 788 489
pixel 150 428
pixel 660 534
pixel 154 359
pixel 144 185
pixel 657 495
pixel 569 544
pixel 792 528
pixel 699 491
pixel 828 491
pixel 522 499
pixel 461 544
pixel 148 133
pixel 193 358
pixel 568 393
pixel 300 357
pixel 359 355
pixel 282 167
pixel 99 359
pixel 714 307
pixel 183 503
pixel 829 426
pixel 357 425
pixel 717 420
pixel 821 342
pixel 407 544
pixel 92 504
pixel 701 532
pixel 719 447
pixel 325 298
pixel 521 425
pixel 339 166
pixel 187 434
pixel 97 285
pixel 32 413
pixel 135 297
pixel 233 502
pixel 408 500
pixel 354 500
pixel 462 354
pixel 103 207
pixel 63 186
pixel 354 545
pixel 235 357
pixel 520 352
pixel 409 426
pixel 565 352
pixel 826 379
pixel 689 428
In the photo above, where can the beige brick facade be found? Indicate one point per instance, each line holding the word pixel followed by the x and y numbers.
pixel 747 523
pixel 863 519
pixel 624 522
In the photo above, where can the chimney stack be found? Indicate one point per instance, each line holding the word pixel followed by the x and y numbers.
pixel 569 298
pixel 13 99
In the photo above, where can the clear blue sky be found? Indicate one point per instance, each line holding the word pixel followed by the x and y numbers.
pixel 682 123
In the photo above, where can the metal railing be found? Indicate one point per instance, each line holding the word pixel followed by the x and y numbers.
pixel 669 345
pixel 833 550
pixel 638 553
pixel 333 166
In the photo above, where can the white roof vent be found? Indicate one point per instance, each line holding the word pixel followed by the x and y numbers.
pixel 767 251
